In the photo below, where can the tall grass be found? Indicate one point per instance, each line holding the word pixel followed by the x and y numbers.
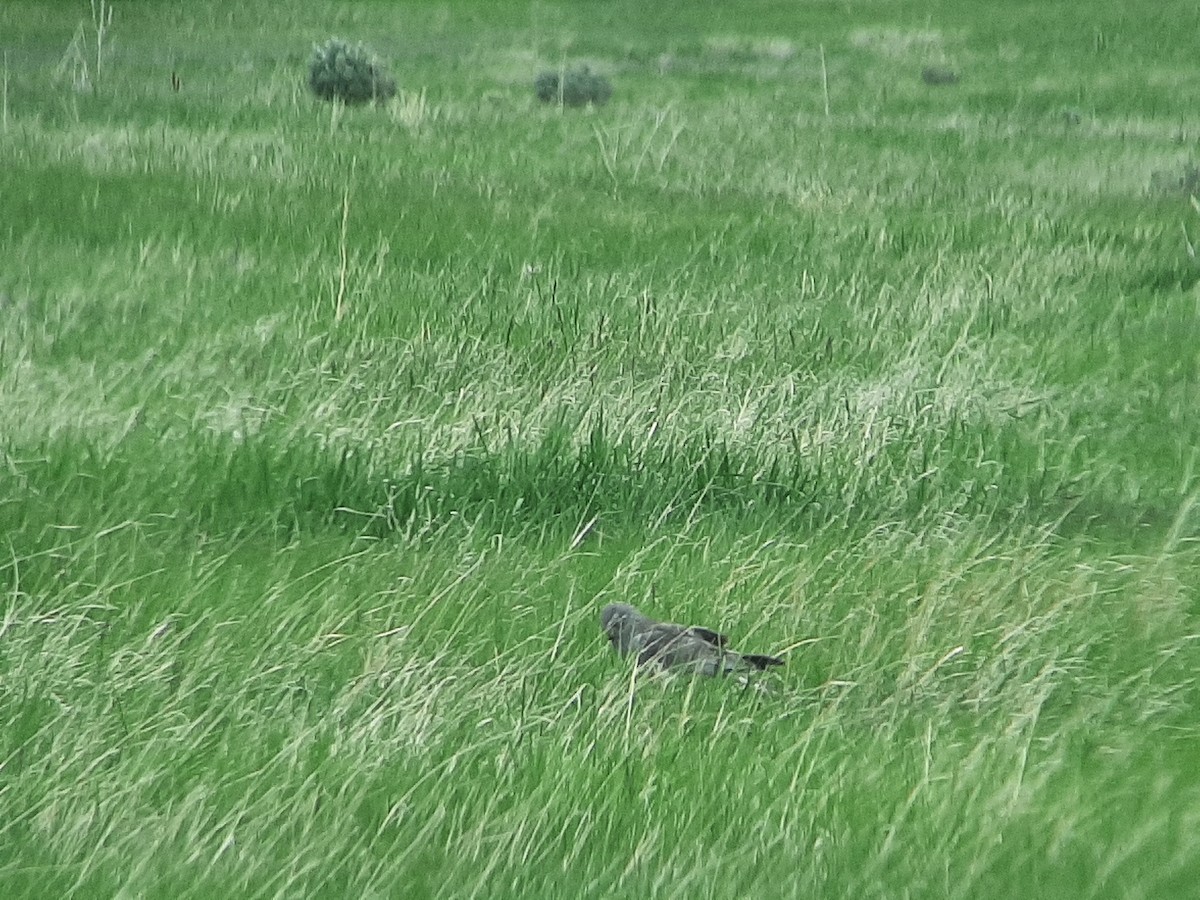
pixel 323 440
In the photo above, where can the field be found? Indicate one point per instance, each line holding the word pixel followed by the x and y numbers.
pixel 326 432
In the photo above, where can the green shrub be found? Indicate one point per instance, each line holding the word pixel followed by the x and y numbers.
pixel 577 87
pixel 353 74
pixel 1184 180
pixel 939 75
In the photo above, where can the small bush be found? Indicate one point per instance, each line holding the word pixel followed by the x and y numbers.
pixel 939 75
pixel 353 74
pixel 1184 180
pixel 1071 115
pixel 577 87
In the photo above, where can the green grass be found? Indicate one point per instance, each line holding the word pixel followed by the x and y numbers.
pixel 300 602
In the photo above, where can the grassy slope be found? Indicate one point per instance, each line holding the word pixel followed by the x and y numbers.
pixel 296 605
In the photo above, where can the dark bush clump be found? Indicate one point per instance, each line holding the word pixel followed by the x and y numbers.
pixel 577 87
pixel 1184 180
pixel 350 73
pixel 939 75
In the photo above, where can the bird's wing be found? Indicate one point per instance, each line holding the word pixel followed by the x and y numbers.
pixel 669 645
pixel 700 649
pixel 718 640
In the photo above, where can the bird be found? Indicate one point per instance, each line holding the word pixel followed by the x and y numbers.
pixel 701 651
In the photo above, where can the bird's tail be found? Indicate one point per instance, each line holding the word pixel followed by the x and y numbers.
pixel 742 662
pixel 760 661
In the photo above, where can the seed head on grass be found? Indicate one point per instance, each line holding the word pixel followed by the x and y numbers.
pixel 683 647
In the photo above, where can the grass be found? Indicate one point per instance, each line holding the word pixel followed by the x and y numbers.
pixel 327 433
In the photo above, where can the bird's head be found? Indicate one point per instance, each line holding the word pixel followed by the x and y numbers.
pixel 619 621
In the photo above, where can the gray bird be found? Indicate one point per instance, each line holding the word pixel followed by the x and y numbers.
pixel 669 646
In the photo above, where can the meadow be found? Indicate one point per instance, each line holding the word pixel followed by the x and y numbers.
pixel 326 432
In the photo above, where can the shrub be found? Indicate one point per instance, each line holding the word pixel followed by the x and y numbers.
pixel 577 87
pixel 350 73
pixel 1184 180
pixel 939 75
